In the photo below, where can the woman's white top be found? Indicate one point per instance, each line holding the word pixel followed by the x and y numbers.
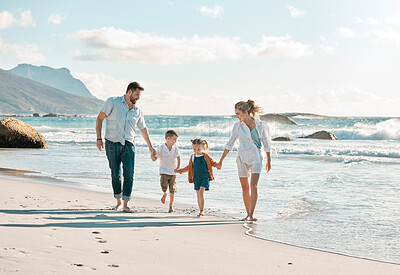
pixel 247 150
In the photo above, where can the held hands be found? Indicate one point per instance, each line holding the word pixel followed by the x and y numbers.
pixel 99 144
pixel 153 154
pixel 152 150
pixel 219 165
pixel 177 170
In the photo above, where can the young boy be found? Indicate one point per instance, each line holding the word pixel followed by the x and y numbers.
pixel 170 161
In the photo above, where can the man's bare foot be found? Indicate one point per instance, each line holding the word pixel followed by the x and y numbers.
pixel 117 207
pixel 126 209
pixel 171 209
pixel 245 219
pixel 163 198
pixel 201 214
pixel 252 219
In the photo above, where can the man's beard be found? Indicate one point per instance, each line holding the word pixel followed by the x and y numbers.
pixel 133 100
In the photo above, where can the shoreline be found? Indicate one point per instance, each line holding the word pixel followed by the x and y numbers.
pixel 248 230
pixel 216 235
pixel 22 175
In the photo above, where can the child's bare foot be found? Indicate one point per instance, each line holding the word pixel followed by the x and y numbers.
pixel 252 219
pixel 171 209
pixel 245 219
pixel 126 209
pixel 201 214
pixel 117 207
pixel 163 198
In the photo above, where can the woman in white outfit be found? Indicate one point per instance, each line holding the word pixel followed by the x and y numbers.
pixel 253 134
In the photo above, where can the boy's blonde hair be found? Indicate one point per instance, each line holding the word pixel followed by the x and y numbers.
pixel 249 107
pixel 199 141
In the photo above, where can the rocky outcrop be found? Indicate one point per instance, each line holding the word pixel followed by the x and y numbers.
pixel 282 139
pixel 24 96
pixel 51 115
pixel 321 135
pixel 60 79
pixel 36 115
pixel 277 119
pixel 17 134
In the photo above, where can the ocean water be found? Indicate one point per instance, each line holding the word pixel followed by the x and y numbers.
pixel 340 196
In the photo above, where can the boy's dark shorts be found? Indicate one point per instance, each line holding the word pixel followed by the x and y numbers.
pixel 168 181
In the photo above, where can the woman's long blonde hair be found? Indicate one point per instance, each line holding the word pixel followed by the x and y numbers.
pixel 249 107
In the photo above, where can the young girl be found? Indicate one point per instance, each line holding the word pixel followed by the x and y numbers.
pixel 200 170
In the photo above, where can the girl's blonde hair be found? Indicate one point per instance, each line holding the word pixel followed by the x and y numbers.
pixel 249 107
pixel 199 141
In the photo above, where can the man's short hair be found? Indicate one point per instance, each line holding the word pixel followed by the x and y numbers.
pixel 170 133
pixel 133 86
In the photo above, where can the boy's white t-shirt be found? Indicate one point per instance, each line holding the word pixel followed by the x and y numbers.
pixel 168 159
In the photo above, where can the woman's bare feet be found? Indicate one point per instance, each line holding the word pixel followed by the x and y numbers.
pixel 201 214
pixel 252 219
pixel 163 198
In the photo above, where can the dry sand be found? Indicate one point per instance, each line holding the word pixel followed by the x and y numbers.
pixel 48 229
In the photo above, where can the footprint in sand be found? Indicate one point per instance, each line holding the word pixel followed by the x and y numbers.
pixel 104 252
pixel 96 232
pixel 113 265
pixel 102 241
pixel 79 265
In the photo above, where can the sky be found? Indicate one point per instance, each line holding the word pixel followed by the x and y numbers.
pixel 339 57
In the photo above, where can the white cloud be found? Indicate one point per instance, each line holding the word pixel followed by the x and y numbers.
pixel 281 46
pixel 101 85
pixel 6 20
pixel 323 39
pixel 26 53
pixel 393 20
pixel 214 12
pixel 26 19
pixel 296 13
pixel 386 35
pixel 368 21
pixel 56 18
pixel 116 44
pixel 159 101
pixel 345 32
pixel 328 49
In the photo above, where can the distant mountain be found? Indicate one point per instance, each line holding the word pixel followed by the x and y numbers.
pixel 57 78
pixel 19 95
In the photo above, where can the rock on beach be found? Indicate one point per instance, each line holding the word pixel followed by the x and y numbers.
pixel 321 135
pixel 282 139
pixel 17 134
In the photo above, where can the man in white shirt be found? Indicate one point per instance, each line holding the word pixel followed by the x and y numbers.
pixel 122 117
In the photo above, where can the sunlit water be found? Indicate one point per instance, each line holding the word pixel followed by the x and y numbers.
pixel 340 196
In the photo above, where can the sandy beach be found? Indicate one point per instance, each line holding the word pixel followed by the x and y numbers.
pixel 48 229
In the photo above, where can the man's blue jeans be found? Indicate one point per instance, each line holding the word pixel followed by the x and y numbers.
pixel 117 154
